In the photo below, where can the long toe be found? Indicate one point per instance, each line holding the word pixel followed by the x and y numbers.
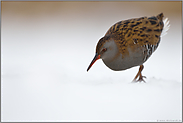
pixel 141 79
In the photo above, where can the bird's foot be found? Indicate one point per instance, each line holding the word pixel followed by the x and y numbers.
pixel 140 79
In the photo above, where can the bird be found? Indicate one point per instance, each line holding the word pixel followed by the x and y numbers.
pixel 130 43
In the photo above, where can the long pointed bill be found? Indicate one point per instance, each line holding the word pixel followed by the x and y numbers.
pixel 94 60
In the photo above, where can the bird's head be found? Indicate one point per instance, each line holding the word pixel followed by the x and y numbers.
pixel 105 49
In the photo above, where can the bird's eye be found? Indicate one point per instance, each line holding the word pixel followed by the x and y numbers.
pixel 104 49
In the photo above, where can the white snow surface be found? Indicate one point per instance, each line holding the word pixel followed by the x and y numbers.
pixel 46 97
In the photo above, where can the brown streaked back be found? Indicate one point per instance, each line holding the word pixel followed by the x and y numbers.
pixel 136 31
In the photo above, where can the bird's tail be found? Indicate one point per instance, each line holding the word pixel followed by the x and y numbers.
pixel 160 16
pixel 166 26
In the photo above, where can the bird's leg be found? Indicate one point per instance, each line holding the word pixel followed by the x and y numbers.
pixel 139 74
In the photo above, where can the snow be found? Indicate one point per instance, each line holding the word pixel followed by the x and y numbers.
pixel 47 99
pixel 44 60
